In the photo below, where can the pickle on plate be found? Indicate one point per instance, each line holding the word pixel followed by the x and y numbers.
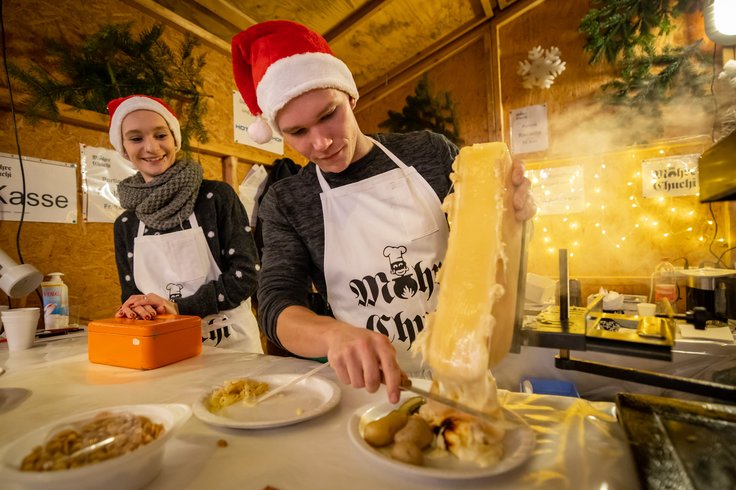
pixel 381 431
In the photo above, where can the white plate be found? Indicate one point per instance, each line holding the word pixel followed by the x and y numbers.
pixel 518 446
pixel 303 401
pixel 131 470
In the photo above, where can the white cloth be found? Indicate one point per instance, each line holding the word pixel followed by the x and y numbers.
pixel 251 189
pixel 385 239
pixel 175 265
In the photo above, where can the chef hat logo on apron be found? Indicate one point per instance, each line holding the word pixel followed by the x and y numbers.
pixel 174 290
pixel 404 286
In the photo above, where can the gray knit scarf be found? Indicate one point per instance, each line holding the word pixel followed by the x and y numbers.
pixel 167 200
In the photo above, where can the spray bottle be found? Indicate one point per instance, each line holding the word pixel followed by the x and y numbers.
pixel 55 302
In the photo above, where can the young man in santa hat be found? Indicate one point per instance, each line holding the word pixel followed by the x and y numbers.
pixel 183 244
pixel 362 221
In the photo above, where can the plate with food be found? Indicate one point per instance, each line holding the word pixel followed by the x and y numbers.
pixel 113 448
pixel 397 436
pixel 233 403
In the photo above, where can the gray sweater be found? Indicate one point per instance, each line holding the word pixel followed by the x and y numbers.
pixel 224 222
pixel 293 225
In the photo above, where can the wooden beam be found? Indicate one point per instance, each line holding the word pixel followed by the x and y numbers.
pixel 502 21
pixel 228 12
pixel 359 15
pixel 174 20
pixel 230 171
pixel 242 152
pixel 94 120
pixel 487 7
pixel 494 133
pixel 424 60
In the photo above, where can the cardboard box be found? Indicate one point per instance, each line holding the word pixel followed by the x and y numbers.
pixel 144 344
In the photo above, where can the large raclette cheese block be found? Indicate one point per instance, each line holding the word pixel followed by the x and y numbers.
pixel 472 327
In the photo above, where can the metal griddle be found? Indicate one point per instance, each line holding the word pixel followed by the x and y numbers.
pixel 680 444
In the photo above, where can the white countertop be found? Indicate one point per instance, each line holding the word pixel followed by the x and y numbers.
pixel 579 444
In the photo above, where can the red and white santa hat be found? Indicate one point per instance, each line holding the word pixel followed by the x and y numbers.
pixel 119 108
pixel 275 61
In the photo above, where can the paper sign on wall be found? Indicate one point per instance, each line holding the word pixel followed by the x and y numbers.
pixel 670 176
pixel 558 190
pixel 242 118
pixel 529 129
pixel 102 170
pixel 50 194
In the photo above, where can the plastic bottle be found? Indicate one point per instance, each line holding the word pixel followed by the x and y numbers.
pixel 55 302
pixel 664 282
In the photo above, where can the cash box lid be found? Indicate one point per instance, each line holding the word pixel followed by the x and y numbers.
pixel 162 324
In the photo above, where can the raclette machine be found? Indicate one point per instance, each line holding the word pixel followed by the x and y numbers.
pixel 569 328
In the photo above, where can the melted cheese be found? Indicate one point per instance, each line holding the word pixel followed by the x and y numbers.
pixel 467 334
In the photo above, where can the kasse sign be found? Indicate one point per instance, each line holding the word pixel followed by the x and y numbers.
pixel 50 194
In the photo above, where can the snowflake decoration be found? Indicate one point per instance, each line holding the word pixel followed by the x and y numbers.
pixel 729 73
pixel 542 67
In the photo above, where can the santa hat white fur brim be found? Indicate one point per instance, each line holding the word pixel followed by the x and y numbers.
pixel 295 75
pixel 140 104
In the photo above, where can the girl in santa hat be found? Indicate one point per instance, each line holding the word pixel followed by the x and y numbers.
pixel 362 221
pixel 183 244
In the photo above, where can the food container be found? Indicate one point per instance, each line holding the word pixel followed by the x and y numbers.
pixel 144 344
pixel 129 471
pixel 539 289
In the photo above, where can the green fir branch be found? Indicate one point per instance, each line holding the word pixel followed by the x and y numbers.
pixel 624 33
pixel 113 62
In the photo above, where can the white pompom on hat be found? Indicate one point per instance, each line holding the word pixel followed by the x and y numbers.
pixel 278 60
pixel 119 108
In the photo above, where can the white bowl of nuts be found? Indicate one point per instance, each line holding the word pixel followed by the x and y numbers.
pixel 117 447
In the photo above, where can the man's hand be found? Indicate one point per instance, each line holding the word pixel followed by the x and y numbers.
pixel 364 359
pixel 361 358
pixel 524 206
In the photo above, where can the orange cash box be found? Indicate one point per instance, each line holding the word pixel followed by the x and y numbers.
pixel 144 344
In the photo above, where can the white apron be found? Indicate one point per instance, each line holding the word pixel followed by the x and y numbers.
pixel 385 239
pixel 174 265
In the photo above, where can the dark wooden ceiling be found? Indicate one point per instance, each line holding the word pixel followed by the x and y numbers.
pixel 377 39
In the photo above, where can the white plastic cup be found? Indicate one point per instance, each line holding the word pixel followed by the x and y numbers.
pixel 2 308
pixel 20 327
pixel 646 309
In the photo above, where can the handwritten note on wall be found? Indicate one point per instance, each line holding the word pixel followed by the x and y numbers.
pixel 529 129
pixel 558 190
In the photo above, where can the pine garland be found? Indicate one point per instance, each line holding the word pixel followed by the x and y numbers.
pixel 422 112
pixel 114 63
pixel 623 32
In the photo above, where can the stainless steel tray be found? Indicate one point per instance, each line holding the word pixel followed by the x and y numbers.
pixel 680 444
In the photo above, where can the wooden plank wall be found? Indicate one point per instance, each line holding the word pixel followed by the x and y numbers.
pixel 466 91
pixel 84 252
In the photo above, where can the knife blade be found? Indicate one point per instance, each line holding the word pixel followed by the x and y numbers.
pixel 517 339
pixel 450 403
pixel 291 383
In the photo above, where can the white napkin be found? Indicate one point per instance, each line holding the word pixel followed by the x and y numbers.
pixel 613 301
pixel 719 334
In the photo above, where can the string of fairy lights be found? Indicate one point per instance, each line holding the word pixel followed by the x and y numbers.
pixel 599 205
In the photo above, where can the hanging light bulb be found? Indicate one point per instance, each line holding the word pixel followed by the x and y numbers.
pixel 720 21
